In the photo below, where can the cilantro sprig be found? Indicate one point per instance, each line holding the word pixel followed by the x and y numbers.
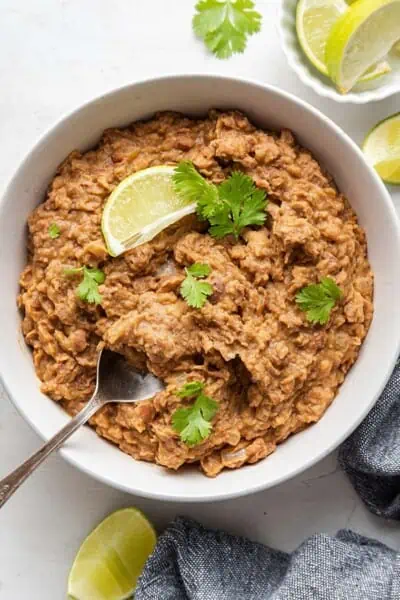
pixel 318 299
pixel 193 187
pixel 88 289
pixel 54 231
pixel 225 25
pixel 229 207
pixel 192 388
pixel 192 290
pixel 242 204
pixel 194 423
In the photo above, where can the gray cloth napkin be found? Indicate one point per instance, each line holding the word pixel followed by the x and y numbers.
pixel 193 563
pixel 371 456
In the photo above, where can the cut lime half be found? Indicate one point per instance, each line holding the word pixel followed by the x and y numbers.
pixel 382 149
pixel 112 557
pixel 360 38
pixel 140 207
pixel 314 22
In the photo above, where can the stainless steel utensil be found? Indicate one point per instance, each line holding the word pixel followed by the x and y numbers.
pixel 116 381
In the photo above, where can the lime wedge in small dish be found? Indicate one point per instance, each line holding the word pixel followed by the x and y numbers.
pixel 382 149
pixel 112 557
pixel 360 38
pixel 314 22
pixel 140 207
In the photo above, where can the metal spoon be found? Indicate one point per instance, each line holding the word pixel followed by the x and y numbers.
pixel 116 381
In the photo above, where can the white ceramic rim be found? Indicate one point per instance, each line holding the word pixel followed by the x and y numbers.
pixel 259 486
pixel 318 85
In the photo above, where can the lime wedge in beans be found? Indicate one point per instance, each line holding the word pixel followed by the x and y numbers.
pixel 140 207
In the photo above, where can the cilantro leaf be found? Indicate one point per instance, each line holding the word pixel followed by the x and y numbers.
pixel 195 292
pixel 192 290
pixel 189 184
pixel 207 405
pixel 199 270
pixel 224 25
pixel 88 289
pixel 243 205
pixel 54 231
pixel 230 207
pixel 193 388
pixel 193 424
pixel 318 299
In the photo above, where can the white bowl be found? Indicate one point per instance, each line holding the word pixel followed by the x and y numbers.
pixel 270 108
pixel 309 75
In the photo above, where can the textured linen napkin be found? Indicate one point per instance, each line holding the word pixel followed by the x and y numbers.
pixel 371 456
pixel 193 563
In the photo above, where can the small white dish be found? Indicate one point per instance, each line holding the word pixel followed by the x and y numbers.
pixel 269 107
pixel 310 76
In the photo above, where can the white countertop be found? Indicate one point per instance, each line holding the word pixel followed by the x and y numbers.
pixel 56 55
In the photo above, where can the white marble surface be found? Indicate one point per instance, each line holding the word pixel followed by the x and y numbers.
pixel 56 55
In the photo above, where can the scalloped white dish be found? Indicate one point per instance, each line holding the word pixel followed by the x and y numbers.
pixel 362 93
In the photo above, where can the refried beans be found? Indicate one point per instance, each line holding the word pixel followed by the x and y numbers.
pixel 271 371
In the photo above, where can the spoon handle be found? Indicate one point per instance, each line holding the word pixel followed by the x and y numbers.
pixel 11 482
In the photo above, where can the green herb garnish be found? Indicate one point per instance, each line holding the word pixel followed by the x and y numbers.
pixel 192 290
pixel 88 289
pixel 193 388
pixel 242 205
pixel 192 186
pixel 318 299
pixel 224 25
pixel 54 231
pixel 193 423
pixel 229 207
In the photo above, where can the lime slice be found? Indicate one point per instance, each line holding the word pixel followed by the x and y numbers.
pixel 314 21
pixel 360 38
pixel 389 170
pixel 112 557
pixel 382 148
pixel 140 207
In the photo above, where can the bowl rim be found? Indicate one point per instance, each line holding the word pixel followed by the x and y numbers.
pixel 315 82
pixel 314 457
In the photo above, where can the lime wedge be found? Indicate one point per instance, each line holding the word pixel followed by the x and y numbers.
pixel 112 557
pixel 360 38
pixel 389 170
pixel 382 148
pixel 314 21
pixel 140 207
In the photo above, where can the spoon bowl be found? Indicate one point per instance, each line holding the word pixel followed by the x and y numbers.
pixel 119 381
